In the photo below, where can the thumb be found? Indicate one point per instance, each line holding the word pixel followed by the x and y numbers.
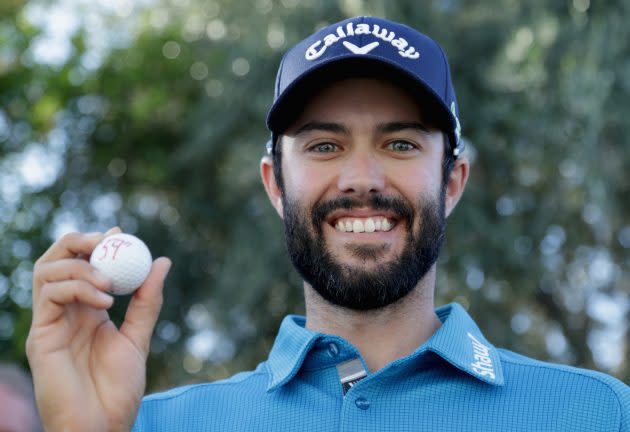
pixel 145 306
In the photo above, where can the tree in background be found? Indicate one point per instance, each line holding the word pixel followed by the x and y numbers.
pixel 150 115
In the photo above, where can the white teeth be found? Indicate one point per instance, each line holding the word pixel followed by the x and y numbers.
pixel 357 226
pixel 369 225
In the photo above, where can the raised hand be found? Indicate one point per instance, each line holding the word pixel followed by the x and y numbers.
pixel 88 374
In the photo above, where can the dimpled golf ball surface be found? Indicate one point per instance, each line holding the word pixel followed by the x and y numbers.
pixel 123 258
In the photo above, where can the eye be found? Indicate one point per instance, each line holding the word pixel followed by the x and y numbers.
pixel 401 146
pixel 325 147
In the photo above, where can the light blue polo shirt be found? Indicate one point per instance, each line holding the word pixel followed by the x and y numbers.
pixel 456 381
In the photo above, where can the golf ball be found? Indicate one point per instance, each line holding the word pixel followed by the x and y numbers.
pixel 123 258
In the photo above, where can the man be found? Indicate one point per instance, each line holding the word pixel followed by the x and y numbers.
pixel 365 165
pixel 17 402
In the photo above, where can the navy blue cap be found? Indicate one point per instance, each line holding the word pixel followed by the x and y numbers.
pixel 361 47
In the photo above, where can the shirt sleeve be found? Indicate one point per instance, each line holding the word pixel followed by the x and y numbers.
pixel 137 426
pixel 623 392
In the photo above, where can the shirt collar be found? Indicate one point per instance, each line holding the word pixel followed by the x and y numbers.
pixel 458 341
pixel 289 350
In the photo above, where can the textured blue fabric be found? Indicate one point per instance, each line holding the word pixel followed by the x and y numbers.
pixel 456 381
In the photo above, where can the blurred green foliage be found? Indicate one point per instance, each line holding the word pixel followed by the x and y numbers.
pixel 153 120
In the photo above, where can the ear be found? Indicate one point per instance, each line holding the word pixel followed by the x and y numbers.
pixel 271 186
pixel 456 183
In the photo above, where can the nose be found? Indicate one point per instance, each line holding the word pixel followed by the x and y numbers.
pixel 362 174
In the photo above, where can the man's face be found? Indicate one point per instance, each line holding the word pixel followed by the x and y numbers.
pixel 363 200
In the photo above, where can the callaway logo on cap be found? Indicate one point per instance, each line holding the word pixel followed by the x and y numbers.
pixel 318 48
pixel 366 47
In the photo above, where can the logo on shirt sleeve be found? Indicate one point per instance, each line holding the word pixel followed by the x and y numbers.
pixel 483 362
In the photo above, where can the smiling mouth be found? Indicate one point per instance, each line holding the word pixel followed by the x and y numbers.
pixel 363 225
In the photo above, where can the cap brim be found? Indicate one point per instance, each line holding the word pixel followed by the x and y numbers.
pixel 290 105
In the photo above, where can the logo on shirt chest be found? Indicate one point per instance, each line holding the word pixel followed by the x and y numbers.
pixel 481 354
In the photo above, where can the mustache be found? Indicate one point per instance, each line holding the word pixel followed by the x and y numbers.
pixel 396 205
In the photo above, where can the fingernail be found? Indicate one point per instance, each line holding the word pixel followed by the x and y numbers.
pixel 104 296
pixel 113 230
pixel 101 279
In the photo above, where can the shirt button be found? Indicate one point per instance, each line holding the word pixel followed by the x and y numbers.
pixel 333 349
pixel 362 403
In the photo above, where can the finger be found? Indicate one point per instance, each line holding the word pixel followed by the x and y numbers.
pixel 114 230
pixel 55 296
pixel 67 269
pixel 73 244
pixel 145 306
pixel 70 245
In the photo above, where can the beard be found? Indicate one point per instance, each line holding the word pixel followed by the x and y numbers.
pixel 355 288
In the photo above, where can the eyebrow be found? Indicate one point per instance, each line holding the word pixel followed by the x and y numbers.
pixel 400 126
pixel 323 126
pixel 383 128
